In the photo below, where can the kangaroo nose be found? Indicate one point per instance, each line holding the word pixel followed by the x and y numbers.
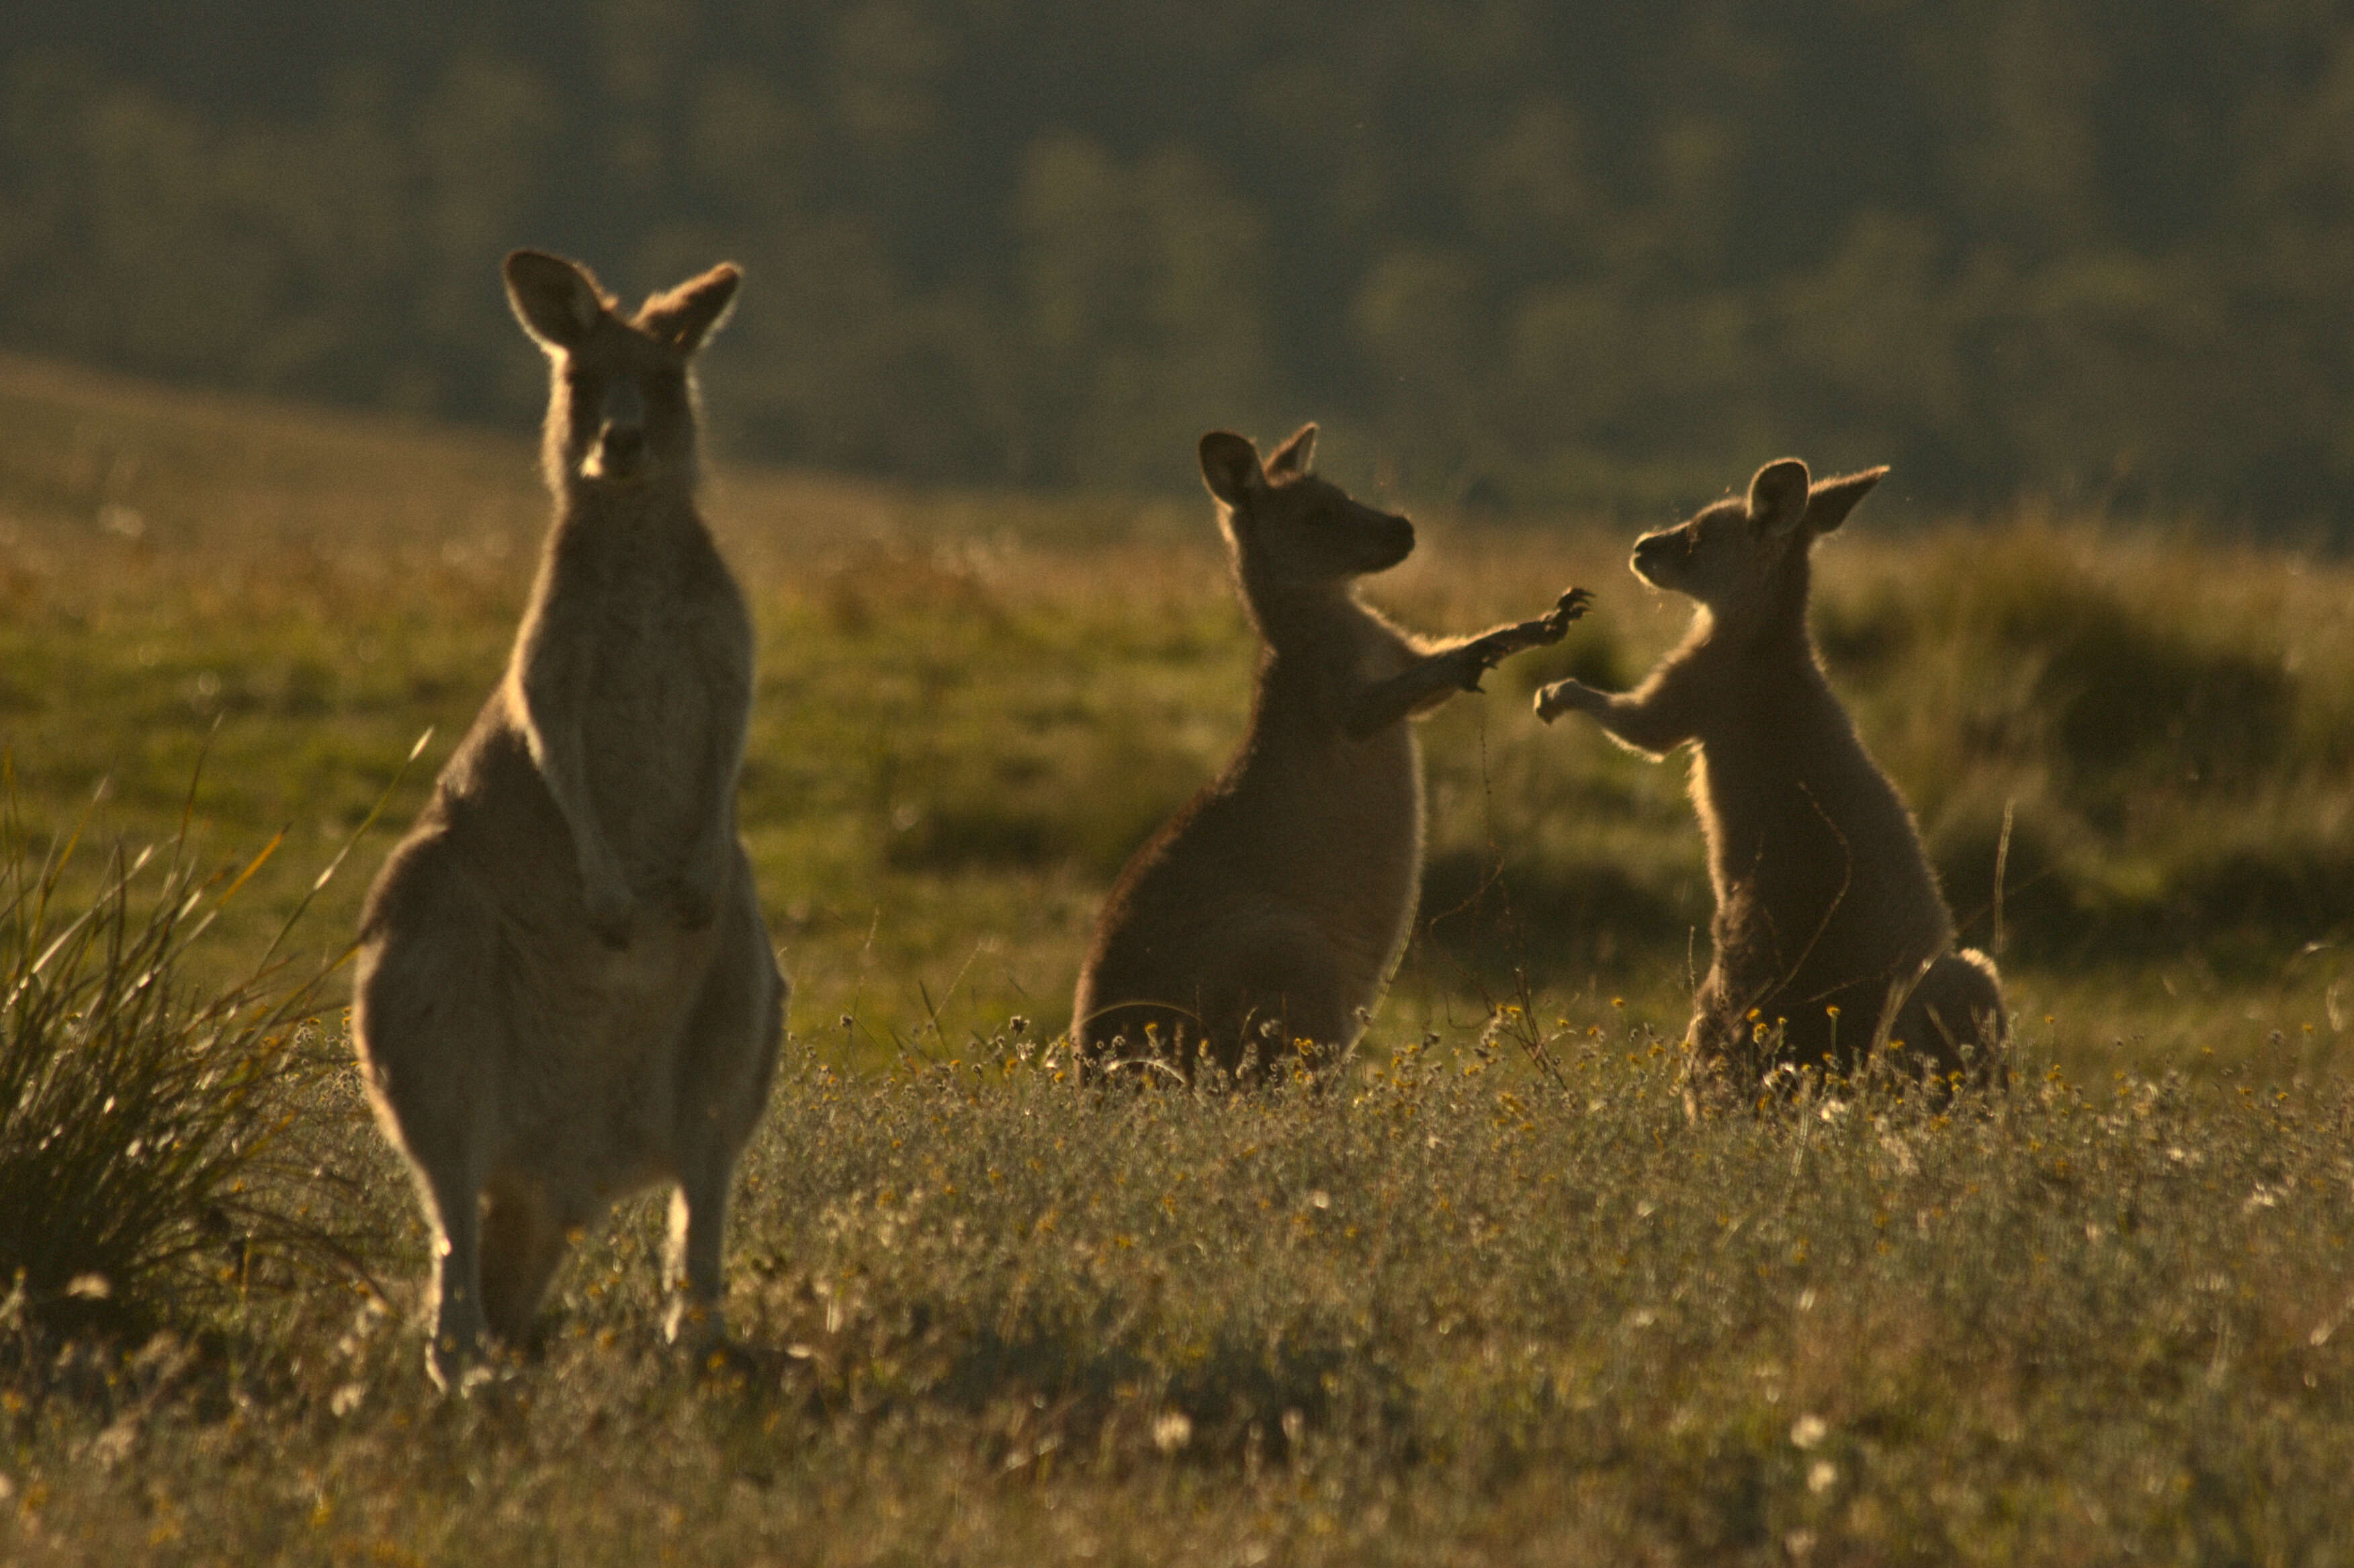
pixel 621 436
pixel 619 454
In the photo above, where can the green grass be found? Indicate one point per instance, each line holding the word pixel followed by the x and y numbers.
pixel 1487 1297
pixel 972 706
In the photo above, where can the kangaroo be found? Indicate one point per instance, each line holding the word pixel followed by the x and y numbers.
pixel 1270 911
pixel 1830 934
pixel 566 990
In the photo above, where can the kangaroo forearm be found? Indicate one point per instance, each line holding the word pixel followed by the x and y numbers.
pixel 706 857
pixel 1653 717
pixel 1457 666
pixel 1508 637
pixel 567 782
pixel 1426 683
pixel 559 753
pixel 1644 723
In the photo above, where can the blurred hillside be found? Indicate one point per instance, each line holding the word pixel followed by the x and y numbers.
pixel 1529 252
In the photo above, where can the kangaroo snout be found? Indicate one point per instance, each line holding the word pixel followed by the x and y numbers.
pixel 1656 554
pixel 1397 541
pixel 620 447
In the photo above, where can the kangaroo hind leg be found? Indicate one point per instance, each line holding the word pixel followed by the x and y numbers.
pixel 726 1061
pixel 1956 1014
pixel 1293 1009
pixel 523 1239
pixel 455 1296
pixel 423 1062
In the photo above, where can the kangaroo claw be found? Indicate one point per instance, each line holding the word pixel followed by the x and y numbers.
pixel 1569 607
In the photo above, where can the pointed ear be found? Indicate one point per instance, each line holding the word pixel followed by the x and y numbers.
pixel 557 302
pixel 1778 495
pixel 1230 468
pixel 1294 457
pixel 1829 502
pixel 695 310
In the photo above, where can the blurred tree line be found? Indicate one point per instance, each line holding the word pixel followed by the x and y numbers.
pixel 1525 251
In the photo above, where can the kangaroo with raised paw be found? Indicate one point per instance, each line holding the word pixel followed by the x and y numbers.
pixel 566 990
pixel 1265 917
pixel 1831 937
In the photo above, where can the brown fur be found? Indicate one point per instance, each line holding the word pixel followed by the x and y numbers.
pixel 1267 915
pixel 566 990
pixel 1824 899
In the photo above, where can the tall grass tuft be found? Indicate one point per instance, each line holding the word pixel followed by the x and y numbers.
pixel 149 1159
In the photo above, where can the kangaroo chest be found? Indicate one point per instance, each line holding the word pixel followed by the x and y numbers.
pixel 664 694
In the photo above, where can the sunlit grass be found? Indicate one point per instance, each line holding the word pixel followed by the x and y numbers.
pixel 1493 1297
pixel 153 1152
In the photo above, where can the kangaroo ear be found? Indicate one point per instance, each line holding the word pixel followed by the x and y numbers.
pixel 1829 502
pixel 695 310
pixel 1230 468
pixel 557 302
pixel 1293 458
pixel 1778 495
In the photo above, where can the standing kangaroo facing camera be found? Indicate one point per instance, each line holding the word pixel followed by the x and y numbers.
pixel 1270 911
pixel 566 990
pixel 1831 937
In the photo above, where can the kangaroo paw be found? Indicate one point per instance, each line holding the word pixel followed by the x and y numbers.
pixel 613 915
pixel 1566 696
pixel 690 902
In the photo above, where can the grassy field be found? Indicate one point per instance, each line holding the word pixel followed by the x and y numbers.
pixel 1487 1297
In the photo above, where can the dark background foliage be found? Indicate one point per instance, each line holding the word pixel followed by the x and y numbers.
pixel 1532 252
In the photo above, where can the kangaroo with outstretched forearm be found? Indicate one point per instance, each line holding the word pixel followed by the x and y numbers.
pixel 1267 917
pixel 1831 935
pixel 565 990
